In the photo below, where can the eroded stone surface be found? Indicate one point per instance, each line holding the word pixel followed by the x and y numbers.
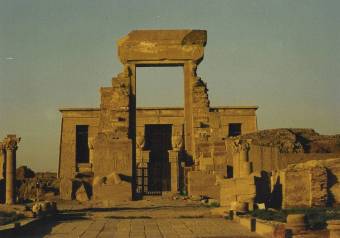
pixel 310 184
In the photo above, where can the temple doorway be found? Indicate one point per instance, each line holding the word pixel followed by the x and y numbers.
pixel 158 141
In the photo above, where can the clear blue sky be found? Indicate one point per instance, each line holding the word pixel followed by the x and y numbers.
pixel 281 55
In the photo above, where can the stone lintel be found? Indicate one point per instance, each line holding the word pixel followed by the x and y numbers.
pixel 151 47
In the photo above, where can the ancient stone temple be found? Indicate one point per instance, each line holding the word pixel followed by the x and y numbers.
pixel 119 152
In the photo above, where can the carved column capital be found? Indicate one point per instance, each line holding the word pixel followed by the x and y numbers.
pixel 11 142
pixel 177 142
pixel 240 145
pixel 140 142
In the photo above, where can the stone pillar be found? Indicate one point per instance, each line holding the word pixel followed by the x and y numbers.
pixel 174 159
pixel 140 142
pixel 241 164
pixel 236 164
pixel 11 142
pixel 188 110
pixel 2 160
pixel 245 168
pixel 174 168
pixel 333 226
pixel 91 149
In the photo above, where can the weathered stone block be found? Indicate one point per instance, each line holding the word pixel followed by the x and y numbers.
pixel 304 185
pixel 117 193
pixel 162 44
pixel 81 194
pixel 66 189
pixel 112 155
pixel 201 183
pixel 237 189
pixel 113 178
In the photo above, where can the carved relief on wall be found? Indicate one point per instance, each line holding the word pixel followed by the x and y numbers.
pixel 119 162
pixel 238 145
pixel 140 142
pixel 177 137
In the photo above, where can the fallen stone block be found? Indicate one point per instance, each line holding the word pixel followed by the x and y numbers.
pixel 81 194
pixel 113 178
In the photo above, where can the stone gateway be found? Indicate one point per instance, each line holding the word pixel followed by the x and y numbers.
pixel 120 152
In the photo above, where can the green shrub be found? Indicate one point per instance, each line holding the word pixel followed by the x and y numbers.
pixel 270 215
pixel 214 204
pixel 316 218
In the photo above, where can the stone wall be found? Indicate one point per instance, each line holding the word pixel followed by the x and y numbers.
pixel 304 187
pixel 311 184
pixel 332 167
pixel 265 158
pixel 203 184
pixel 153 115
pixel 226 115
pixel 114 193
pixel 269 158
pixel 237 189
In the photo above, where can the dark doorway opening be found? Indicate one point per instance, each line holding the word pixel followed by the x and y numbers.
pixel 82 149
pixel 234 129
pixel 158 141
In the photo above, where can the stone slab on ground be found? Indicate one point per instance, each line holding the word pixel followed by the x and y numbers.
pixel 147 218
pixel 133 228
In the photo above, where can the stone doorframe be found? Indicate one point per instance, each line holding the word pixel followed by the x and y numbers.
pixel 115 143
pixel 154 48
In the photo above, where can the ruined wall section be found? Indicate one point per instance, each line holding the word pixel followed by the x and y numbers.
pixel 113 148
pixel 304 187
pixel 114 107
pixel 200 111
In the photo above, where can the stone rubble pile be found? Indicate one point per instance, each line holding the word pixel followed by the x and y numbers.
pixel 296 140
pixel 33 186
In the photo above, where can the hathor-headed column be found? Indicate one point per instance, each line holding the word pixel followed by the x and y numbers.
pixel 241 164
pixel 90 143
pixel 245 167
pixel 174 159
pixel 11 144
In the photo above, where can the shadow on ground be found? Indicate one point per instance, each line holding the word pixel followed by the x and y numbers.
pixel 115 209
pixel 44 226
